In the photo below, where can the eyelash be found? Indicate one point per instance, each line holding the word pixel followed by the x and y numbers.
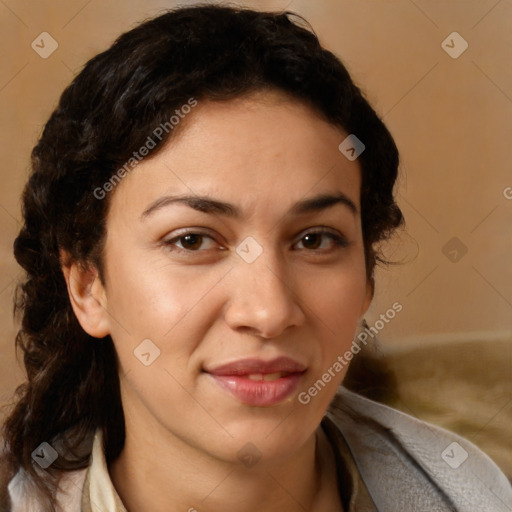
pixel 338 240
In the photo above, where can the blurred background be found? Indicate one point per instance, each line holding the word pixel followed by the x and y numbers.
pixel 439 74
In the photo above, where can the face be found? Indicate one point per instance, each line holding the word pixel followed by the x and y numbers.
pixel 238 252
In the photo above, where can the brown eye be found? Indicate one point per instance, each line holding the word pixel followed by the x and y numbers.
pixel 312 241
pixel 323 240
pixel 191 242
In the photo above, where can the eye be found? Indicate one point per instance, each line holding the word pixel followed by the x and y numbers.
pixel 322 239
pixel 191 242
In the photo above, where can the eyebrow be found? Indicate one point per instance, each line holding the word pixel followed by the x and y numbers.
pixel 212 206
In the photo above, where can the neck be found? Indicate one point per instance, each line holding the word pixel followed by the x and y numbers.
pixel 165 472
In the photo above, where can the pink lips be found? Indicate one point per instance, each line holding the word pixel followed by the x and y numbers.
pixel 259 383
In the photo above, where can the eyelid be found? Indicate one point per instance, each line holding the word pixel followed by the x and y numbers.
pixel 189 231
pixel 338 237
pixel 171 241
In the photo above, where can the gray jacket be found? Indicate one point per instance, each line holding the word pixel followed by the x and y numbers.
pixel 399 464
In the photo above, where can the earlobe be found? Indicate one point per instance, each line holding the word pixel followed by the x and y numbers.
pixel 87 296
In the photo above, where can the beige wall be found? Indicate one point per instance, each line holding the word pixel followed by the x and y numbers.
pixel 452 120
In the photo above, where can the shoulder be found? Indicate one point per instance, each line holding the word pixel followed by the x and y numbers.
pixel 421 464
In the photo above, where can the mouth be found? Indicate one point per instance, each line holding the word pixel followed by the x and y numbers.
pixel 259 383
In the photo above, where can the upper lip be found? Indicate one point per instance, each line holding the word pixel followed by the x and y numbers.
pixel 254 366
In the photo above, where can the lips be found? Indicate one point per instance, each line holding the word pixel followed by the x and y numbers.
pixel 259 383
pixel 258 366
pixel 267 377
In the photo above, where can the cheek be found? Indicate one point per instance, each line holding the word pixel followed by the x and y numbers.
pixel 336 312
pixel 338 298
pixel 337 304
pixel 141 291
pixel 155 301
pixel 344 307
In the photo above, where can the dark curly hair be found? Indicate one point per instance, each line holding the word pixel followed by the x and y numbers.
pixel 204 52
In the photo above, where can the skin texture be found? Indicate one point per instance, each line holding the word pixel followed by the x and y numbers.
pixel 206 306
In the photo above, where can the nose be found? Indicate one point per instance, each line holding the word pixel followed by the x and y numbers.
pixel 262 300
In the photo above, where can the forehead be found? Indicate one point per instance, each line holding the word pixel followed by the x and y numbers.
pixel 266 149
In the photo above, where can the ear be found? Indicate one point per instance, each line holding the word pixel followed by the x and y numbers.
pixel 87 296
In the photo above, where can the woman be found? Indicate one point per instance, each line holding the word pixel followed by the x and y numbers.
pixel 199 240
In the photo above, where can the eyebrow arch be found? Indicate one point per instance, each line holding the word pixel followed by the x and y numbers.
pixel 212 206
pixel 322 202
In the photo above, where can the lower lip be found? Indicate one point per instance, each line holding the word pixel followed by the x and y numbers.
pixel 259 393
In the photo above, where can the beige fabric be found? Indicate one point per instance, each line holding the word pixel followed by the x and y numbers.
pixel 99 494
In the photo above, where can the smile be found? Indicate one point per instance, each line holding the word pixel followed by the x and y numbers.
pixel 259 383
